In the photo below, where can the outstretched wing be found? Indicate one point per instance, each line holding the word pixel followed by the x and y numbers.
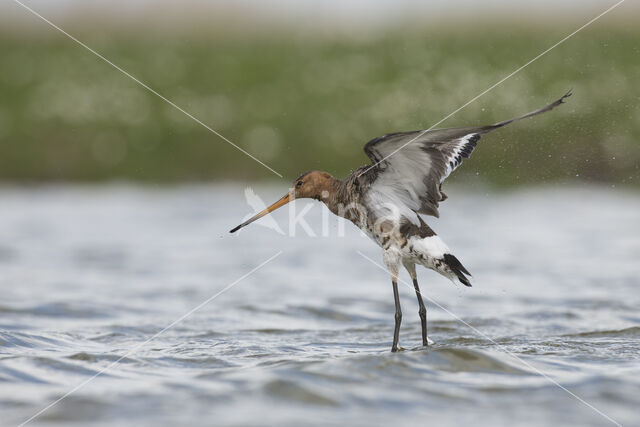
pixel 410 166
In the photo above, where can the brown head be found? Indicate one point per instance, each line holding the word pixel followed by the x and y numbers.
pixel 316 185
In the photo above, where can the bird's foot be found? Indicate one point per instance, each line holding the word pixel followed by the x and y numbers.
pixel 395 349
pixel 426 342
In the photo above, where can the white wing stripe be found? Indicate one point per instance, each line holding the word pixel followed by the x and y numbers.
pixel 464 148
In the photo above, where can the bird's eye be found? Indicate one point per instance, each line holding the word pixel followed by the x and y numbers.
pixel 299 184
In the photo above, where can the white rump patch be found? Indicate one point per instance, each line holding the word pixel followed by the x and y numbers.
pixel 431 247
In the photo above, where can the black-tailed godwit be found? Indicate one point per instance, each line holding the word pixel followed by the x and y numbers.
pixel 385 199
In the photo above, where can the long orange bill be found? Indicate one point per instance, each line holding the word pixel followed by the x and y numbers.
pixel 286 199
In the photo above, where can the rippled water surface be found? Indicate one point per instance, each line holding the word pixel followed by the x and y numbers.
pixel 89 274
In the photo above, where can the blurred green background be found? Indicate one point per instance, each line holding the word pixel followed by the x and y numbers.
pixel 301 101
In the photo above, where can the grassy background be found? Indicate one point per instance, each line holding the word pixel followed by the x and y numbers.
pixel 301 103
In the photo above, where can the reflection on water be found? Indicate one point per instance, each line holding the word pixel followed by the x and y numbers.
pixel 88 273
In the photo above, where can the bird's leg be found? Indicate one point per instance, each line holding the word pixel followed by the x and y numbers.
pixel 398 316
pixel 392 261
pixel 422 311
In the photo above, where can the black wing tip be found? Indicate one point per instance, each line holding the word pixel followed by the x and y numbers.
pixel 565 96
pixel 554 104
pixel 235 229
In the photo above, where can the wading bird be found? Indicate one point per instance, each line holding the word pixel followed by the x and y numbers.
pixel 385 199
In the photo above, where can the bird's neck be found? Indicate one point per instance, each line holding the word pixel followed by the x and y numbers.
pixel 338 196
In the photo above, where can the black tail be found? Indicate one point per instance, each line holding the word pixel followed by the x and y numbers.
pixel 458 269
